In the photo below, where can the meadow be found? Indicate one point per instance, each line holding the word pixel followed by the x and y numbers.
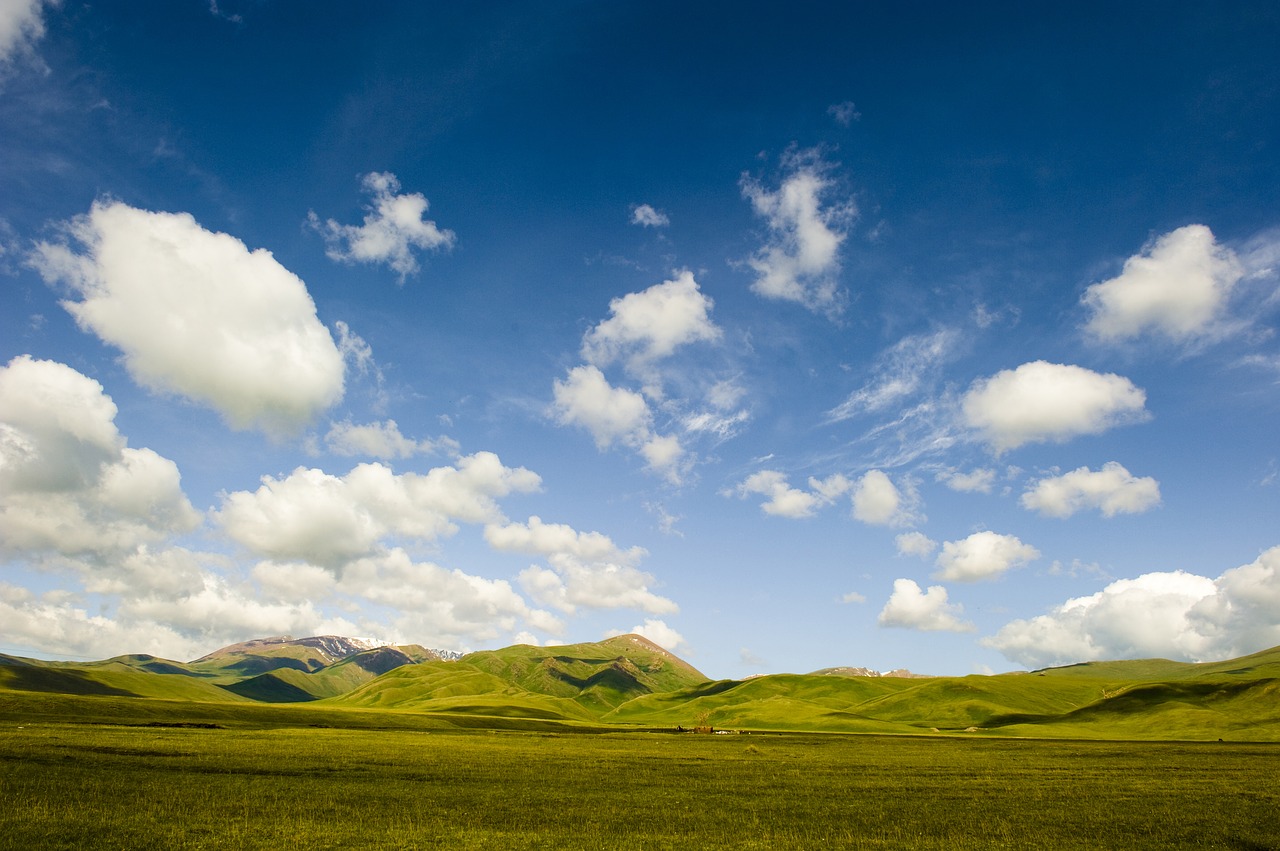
pixel 400 781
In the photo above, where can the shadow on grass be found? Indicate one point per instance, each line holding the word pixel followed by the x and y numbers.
pixel 31 678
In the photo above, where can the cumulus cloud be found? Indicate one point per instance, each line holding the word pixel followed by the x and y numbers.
pixel 393 227
pixel 69 483
pixel 648 325
pixel 900 372
pixel 74 495
pixel 330 521
pixel 615 415
pixel 1112 490
pixel 1178 287
pixel 800 258
pixel 658 632
pixel 877 501
pixel 983 555
pixel 915 544
pixel 611 414
pixel 912 608
pixel 198 314
pixel 62 626
pixel 21 26
pixel 1175 615
pixel 647 216
pixel 448 606
pixel 1041 401
pixel 586 568
pixel 786 501
pixel 380 440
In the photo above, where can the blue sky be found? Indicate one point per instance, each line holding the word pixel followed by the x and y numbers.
pixel 813 335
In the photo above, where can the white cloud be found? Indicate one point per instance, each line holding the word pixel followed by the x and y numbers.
pixel 915 544
pixel 214 606
pixel 21 26
pixel 393 227
pixel 74 495
pixel 853 597
pixel 721 426
pixel 198 314
pixel 877 501
pixel 546 539
pixel 786 501
pixel 69 483
pixel 975 481
pixel 911 608
pixel 616 415
pixel 801 257
pixel 647 216
pixel 611 414
pixel 899 372
pixel 1178 286
pixel 983 555
pixel 1112 490
pixel 587 568
pixel 783 500
pixel 60 626
pixel 330 521
pixel 380 440
pixel 448 607
pixel 648 325
pixel 1175 615
pixel 658 632
pixel 1041 401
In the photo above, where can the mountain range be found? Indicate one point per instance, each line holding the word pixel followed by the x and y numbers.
pixel 628 681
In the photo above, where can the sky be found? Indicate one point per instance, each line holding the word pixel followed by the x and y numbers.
pixel 937 337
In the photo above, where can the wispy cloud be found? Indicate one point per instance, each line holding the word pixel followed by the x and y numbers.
pixel 902 371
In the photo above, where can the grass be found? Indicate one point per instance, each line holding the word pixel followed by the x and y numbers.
pixel 266 780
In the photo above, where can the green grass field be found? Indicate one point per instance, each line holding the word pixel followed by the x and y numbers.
pixel 268 781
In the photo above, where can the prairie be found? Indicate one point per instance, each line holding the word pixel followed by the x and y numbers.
pixel 379 779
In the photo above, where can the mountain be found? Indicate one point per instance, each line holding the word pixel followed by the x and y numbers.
pixel 271 670
pixel 576 681
pixel 627 682
pixel 844 671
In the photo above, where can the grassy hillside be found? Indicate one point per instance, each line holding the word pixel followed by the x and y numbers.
pixel 110 682
pixel 1265 663
pixel 578 681
pixel 599 675
pixel 631 682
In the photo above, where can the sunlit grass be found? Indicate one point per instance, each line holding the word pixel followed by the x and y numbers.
pixel 114 786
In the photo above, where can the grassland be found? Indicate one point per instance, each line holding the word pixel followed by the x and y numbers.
pixel 377 779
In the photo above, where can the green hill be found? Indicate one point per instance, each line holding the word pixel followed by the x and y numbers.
pixel 577 681
pixel 272 670
pixel 630 681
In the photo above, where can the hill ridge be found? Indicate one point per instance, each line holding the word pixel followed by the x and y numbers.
pixel 626 681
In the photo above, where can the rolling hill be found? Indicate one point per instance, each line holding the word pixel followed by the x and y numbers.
pixel 629 682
